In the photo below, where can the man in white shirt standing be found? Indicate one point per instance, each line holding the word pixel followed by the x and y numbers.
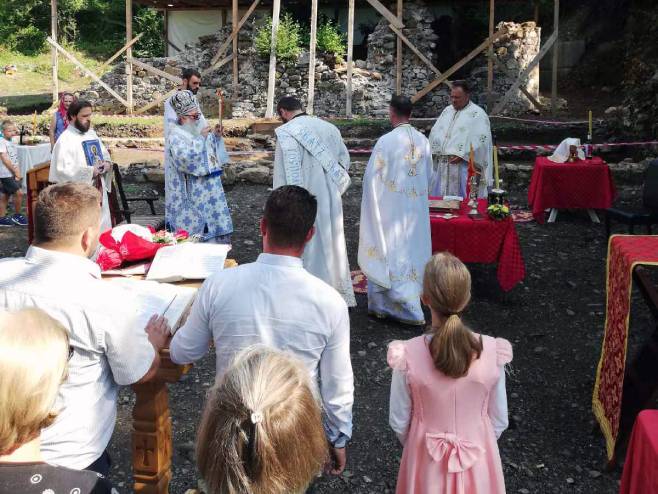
pixel 310 152
pixel 276 302
pixel 109 349
pixel 80 156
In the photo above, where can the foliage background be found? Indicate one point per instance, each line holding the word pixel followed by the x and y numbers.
pixel 96 27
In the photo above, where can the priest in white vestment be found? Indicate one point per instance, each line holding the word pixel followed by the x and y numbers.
pixel 394 235
pixel 80 156
pixel 461 125
pixel 311 153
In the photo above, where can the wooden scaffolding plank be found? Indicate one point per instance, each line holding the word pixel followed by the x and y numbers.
pixel 483 46
pixel 311 57
pixel 556 32
pixel 386 13
pixel 524 75
pixel 490 61
pixel 88 72
pixel 224 46
pixel 119 52
pixel 350 62
pixel 271 78
pixel 417 52
pixel 155 71
pixel 53 50
pixel 398 58
pixel 234 20
pixel 506 71
pixel 129 56
pixel 156 102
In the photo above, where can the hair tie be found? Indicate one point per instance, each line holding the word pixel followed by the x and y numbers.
pixel 256 418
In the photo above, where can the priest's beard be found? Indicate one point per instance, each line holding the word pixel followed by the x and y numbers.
pixel 193 128
pixel 81 127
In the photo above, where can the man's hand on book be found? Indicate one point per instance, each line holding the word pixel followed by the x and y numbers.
pixel 158 331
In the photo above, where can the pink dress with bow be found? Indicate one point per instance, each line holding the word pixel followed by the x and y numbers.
pixel 451 446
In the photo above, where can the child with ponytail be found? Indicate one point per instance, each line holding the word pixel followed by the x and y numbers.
pixel 261 430
pixel 448 403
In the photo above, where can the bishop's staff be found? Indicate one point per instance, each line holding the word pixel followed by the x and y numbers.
pixel 220 98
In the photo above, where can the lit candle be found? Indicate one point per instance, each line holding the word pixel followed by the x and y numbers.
pixel 34 123
pixel 589 134
pixel 496 165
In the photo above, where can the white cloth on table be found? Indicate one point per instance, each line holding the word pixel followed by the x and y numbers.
pixel 31 156
pixel 452 135
pixel 69 163
pixel 400 404
pixel 311 153
pixel 562 152
pixel 394 233
pixel 276 302
pixel 110 349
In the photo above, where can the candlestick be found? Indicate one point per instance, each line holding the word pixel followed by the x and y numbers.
pixel 220 102
pixel 590 124
pixel 34 123
pixel 496 166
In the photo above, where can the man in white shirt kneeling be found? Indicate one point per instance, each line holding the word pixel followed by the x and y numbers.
pixel 276 302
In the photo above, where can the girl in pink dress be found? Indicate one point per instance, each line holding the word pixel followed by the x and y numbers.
pixel 448 403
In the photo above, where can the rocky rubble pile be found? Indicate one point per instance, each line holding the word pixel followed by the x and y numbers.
pixel 373 79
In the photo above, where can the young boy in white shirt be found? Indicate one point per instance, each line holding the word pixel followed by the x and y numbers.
pixel 10 177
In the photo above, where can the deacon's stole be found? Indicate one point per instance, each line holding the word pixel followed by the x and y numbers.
pixel 624 253
pixel 295 132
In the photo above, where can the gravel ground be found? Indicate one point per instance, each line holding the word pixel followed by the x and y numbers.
pixel 554 320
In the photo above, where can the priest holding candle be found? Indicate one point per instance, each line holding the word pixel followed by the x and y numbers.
pixel 461 125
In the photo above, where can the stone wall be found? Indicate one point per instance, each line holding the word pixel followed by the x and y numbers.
pixel 373 79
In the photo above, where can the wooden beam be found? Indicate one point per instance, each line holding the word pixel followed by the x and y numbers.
pixel 483 46
pixel 556 33
pixel 53 50
pixel 129 56
pixel 166 31
pixel 350 62
pixel 490 60
pixel 398 59
pixel 84 69
pixel 158 72
pixel 118 53
pixel 505 70
pixel 271 78
pixel 417 52
pixel 311 57
pixel 526 72
pixel 386 13
pixel 234 20
pixel 224 46
pixel 156 102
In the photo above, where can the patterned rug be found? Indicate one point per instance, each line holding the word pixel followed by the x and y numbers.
pixel 522 216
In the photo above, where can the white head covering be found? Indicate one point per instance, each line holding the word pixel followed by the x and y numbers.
pixel 184 103
pixel 561 154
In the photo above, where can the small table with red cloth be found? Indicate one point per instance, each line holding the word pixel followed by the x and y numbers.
pixel 641 468
pixel 584 184
pixel 482 241
pixel 625 252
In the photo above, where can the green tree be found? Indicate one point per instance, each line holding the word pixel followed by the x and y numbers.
pixel 331 40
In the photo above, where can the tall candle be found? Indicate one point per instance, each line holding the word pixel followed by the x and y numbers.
pixel 34 123
pixel 495 157
pixel 590 125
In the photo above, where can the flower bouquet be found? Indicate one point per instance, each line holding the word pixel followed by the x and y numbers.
pixel 134 243
pixel 498 212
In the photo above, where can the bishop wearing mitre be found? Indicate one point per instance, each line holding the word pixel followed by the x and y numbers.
pixel 461 125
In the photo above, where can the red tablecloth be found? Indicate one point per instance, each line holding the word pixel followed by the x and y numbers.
pixel 583 184
pixel 481 241
pixel 641 468
pixel 624 253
